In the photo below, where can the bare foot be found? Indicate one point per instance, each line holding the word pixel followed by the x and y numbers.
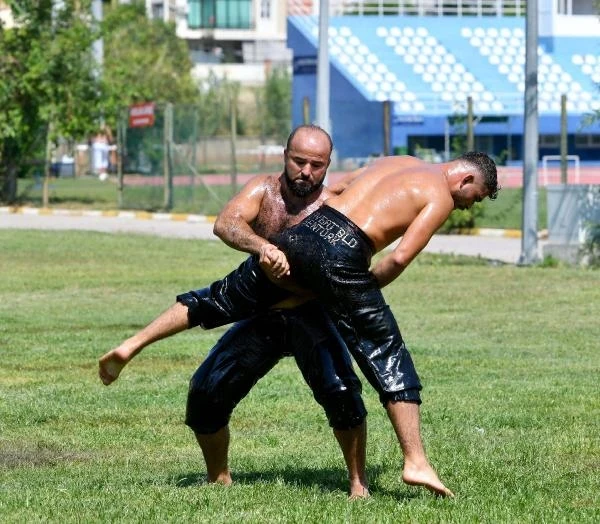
pixel 222 478
pixel 111 364
pixel 425 476
pixel 359 491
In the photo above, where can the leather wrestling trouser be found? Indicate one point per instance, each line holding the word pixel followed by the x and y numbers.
pixel 241 294
pixel 331 256
pixel 252 347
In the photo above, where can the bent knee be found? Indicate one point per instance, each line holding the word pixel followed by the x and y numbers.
pixel 205 426
pixel 198 312
pixel 345 410
pixel 206 413
pixel 406 395
pixel 206 421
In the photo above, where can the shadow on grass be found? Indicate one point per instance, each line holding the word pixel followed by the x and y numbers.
pixel 324 479
pixel 23 455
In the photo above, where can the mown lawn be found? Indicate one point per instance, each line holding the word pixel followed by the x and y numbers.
pixel 88 192
pixel 508 357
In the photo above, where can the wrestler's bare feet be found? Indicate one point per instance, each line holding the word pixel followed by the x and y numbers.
pixel 223 478
pixel 358 491
pixel 112 363
pixel 424 475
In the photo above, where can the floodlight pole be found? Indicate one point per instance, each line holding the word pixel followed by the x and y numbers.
pixel 323 67
pixel 98 45
pixel 529 241
pixel 323 70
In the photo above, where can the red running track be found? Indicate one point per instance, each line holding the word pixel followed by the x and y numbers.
pixel 507 176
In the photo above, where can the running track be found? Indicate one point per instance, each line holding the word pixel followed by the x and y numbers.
pixel 507 176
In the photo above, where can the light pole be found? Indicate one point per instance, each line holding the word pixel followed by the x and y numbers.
pixel 323 67
pixel 529 241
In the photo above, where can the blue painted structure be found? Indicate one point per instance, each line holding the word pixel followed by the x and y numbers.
pixel 426 67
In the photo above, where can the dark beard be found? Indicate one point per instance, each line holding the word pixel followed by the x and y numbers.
pixel 300 190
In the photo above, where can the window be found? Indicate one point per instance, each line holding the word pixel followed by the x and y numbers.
pixel 222 14
pixel 265 9
pixel 575 7
pixel 549 141
pixel 587 141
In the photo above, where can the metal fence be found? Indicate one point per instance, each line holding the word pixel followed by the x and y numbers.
pixel 430 7
pixel 175 165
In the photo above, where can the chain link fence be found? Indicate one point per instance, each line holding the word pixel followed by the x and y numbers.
pixel 176 165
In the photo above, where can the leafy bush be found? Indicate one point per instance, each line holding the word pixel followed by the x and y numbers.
pixel 550 261
pixel 590 251
pixel 463 218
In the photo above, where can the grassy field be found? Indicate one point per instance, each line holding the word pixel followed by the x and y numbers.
pixel 90 193
pixel 506 212
pixel 508 357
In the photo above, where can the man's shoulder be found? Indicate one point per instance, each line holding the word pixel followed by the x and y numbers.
pixel 271 184
pixel 266 180
pixel 273 178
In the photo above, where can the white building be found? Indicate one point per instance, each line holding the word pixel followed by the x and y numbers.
pixel 239 39
pixel 6 18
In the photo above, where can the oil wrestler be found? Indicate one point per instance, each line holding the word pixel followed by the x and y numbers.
pixel 251 348
pixel 330 254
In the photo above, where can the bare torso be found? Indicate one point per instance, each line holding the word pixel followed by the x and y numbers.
pixel 389 195
pixel 280 209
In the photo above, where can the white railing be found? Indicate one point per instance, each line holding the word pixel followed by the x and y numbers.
pixel 429 7
pixel 434 104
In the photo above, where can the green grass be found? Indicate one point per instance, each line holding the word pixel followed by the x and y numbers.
pixel 80 193
pixel 506 212
pixel 90 193
pixel 508 357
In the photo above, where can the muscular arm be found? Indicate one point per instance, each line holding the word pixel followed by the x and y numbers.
pixel 415 238
pixel 234 226
pixel 234 223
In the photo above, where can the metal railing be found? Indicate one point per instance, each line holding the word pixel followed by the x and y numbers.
pixel 429 7
pixel 433 104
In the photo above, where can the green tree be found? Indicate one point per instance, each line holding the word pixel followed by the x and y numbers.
pixel 276 104
pixel 144 61
pixel 213 106
pixel 47 82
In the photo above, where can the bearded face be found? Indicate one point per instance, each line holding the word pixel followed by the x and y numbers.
pixel 306 161
pixel 301 187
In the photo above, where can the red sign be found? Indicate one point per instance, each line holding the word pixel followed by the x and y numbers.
pixel 141 115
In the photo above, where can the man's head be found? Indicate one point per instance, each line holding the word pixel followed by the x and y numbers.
pixel 476 178
pixel 307 156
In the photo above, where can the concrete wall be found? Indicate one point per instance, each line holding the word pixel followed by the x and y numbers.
pixel 571 209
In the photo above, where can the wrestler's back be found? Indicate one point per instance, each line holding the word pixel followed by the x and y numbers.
pixel 385 199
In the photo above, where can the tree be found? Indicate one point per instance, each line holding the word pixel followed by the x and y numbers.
pixel 50 86
pixel 144 61
pixel 47 86
pixel 277 104
pixel 213 104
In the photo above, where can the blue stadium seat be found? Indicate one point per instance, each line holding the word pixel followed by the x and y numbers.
pixel 435 63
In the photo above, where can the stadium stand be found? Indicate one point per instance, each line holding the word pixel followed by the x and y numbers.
pixel 427 67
